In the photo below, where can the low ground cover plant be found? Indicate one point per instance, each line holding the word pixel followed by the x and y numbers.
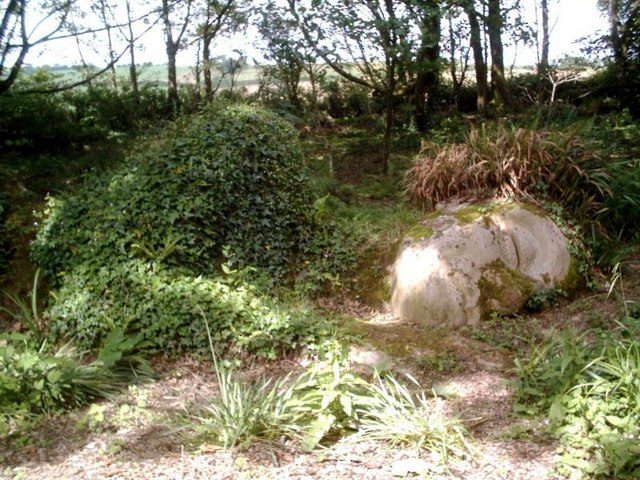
pixel 588 386
pixel 325 403
pixel 39 378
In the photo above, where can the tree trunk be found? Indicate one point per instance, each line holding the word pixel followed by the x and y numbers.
pixel 428 62
pixel 478 56
pixel 614 21
pixel 83 61
pixel 293 85
pixel 172 51
pixel 452 65
pixel 172 77
pixel 6 83
pixel 494 25
pixel 12 7
pixel 310 66
pixel 206 66
pixel 114 76
pixel 388 132
pixel 133 71
pixel 389 114
pixel 206 54
pixel 544 56
pixel 198 70
pixel 105 21
pixel 390 41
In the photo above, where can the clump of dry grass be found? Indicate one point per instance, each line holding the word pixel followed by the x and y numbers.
pixel 509 161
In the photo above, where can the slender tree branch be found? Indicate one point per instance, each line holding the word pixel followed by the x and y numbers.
pixel 90 78
pixel 304 27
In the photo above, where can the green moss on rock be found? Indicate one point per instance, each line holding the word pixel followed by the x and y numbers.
pixel 503 290
pixel 435 214
pixel 471 213
pixel 420 231
pixel 474 212
pixel 574 280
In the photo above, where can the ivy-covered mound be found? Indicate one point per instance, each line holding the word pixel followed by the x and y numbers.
pixel 142 247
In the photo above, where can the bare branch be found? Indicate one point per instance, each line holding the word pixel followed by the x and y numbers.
pixel 90 78
pixel 304 27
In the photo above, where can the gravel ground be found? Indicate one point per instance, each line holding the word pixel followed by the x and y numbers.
pixel 137 436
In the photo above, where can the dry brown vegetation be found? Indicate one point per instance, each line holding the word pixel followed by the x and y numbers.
pixel 513 162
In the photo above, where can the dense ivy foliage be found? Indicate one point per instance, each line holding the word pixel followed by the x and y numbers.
pixel 169 306
pixel 231 177
pixel 147 247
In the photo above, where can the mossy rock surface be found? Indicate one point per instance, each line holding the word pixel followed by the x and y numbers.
pixel 503 290
pixel 464 262
pixel 420 231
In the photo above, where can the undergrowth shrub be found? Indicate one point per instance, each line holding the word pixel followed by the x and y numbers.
pixel 33 122
pixel 344 99
pixel 148 246
pixel 101 109
pixel 37 378
pixel 61 121
pixel 619 136
pixel 588 386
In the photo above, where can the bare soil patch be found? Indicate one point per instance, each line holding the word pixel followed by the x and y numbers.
pixel 137 435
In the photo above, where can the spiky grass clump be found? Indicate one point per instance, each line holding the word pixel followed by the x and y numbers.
pixel 326 400
pixel 513 162
pixel 395 415
pixel 243 411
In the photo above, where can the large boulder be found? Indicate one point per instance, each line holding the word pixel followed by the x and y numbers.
pixel 467 261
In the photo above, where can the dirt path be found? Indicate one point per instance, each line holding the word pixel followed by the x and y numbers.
pixel 137 436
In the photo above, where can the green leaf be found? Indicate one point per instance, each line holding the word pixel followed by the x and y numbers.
pixel 54 375
pixel 617 421
pixel 557 409
pixel 347 404
pixel 316 430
